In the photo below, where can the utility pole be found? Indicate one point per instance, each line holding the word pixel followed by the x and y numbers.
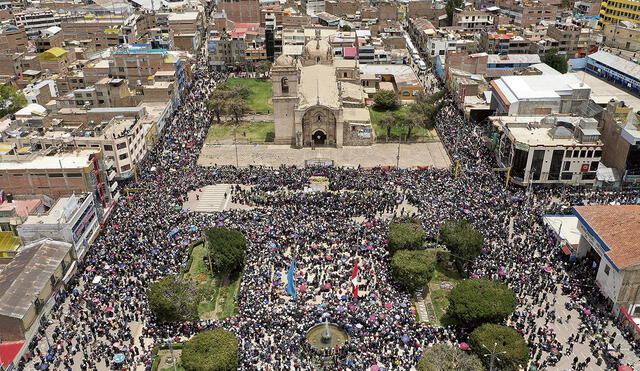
pixel 493 354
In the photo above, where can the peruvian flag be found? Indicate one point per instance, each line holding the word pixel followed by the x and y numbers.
pixel 354 280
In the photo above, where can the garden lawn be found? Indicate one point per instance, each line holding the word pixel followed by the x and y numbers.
pixel 246 132
pixel 260 99
pixel 376 114
pixel 443 272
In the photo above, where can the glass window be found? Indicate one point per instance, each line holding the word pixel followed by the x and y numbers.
pixel 55 175
pixel 123 156
pixel 108 147
pixel 597 153
pixel 583 153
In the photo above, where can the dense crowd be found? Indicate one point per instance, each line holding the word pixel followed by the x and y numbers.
pixel 103 311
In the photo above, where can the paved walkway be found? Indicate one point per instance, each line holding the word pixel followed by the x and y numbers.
pixel 208 199
pixel 411 155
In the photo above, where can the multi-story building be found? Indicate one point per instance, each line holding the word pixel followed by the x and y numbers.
pixel 587 8
pixel 503 42
pixel 58 174
pixel 549 149
pixel 48 38
pixel 622 137
pixel 187 29
pixel 313 7
pixel 244 11
pixel 75 219
pixel 13 39
pixel 615 69
pixel 623 34
pixel 528 13
pixel 613 11
pixel 573 39
pixel 34 20
pixel 473 20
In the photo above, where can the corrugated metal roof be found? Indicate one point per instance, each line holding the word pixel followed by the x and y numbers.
pixel 617 63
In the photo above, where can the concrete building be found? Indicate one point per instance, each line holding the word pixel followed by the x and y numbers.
pixel 55 60
pixel 312 7
pixel 613 11
pixel 398 77
pixel 552 149
pixel 538 95
pixel 187 29
pixel 40 92
pixel 615 69
pixel 75 220
pixel 27 284
pixel 526 13
pixel 621 136
pixel 473 20
pixel 59 174
pixel 574 40
pixel 13 39
pixel 623 35
pixel 609 236
pixel 34 20
pixel 503 42
pixel 319 101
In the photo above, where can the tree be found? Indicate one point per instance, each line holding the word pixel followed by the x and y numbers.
pixel 464 242
pixel 477 301
pixel 227 249
pixel 11 100
pixel 555 60
pixel 442 357
pixel 215 350
pixel 505 340
pixel 386 100
pixel 451 7
pixel 263 68
pixel 237 108
pixel 172 299
pixel 413 269
pixel 405 236
pixel 387 122
pixel 217 104
pixel 426 108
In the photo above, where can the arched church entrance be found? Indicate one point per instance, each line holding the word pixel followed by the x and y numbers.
pixel 319 137
pixel 319 127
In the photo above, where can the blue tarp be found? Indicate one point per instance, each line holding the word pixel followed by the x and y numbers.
pixel 291 288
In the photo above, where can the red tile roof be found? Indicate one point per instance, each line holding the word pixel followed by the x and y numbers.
pixel 618 226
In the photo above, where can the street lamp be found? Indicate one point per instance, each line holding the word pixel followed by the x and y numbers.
pixel 493 354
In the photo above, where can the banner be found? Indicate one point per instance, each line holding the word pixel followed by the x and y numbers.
pixel 291 288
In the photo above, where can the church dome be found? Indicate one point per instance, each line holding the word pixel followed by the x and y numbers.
pixel 284 61
pixel 318 50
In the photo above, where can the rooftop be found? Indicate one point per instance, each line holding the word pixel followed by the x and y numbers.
pixel 513 58
pixel 318 85
pixel 616 228
pixel 67 160
pixel 615 62
pixel 26 275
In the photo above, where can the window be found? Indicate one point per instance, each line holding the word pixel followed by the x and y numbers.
pixel 567 165
pixel 589 153
pixel 108 147
pixel 566 176
pixel 583 153
pixel 55 175
pixel 284 83
pixel 406 94
pixel 74 175
pixel 607 269
pixel 597 153
pixel 576 153
pixel 121 145
pixel 125 167
pixel 594 166
pixel 123 156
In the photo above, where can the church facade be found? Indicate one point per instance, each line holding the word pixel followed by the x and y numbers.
pixel 319 101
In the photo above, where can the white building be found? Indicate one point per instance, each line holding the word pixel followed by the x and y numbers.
pixel 609 236
pixel 545 150
pixel 36 20
pixel 74 219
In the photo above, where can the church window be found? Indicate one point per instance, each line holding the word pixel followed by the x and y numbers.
pixel 285 85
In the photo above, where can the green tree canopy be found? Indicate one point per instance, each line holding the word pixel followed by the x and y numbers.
pixel 227 248
pixel 505 339
pixel 386 100
pixel 442 357
pixel 477 301
pixel 11 100
pixel 413 269
pixel 462 240
pixel 556 61
pixel 451 7
pixel 215 350
pixel 173 298
pixel 405 236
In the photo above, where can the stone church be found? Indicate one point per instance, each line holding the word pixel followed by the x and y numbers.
pixel 319 101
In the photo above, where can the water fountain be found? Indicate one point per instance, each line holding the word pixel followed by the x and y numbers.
pixel 326 335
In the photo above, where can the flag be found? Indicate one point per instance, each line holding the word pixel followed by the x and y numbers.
pixel 354 280
pixel 291 288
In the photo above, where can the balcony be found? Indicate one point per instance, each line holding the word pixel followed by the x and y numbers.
pixel 113 186
pixel 108 163
pixel 112 174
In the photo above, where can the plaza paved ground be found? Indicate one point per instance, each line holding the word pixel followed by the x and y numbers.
pixel 411 155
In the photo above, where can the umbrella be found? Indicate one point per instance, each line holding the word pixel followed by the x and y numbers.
pixel 372 317
pixel 463 346
pixel 341 309
pixel 405 339
pixel 502 273
pixel 303 288
pixel 586 311
pixel 44 366
pixel 625 368
pixel 118 358
pixel 388 305
pixel 352 307
pixel 547 269
pixel 375 368
pixel 475 276
pixel 327 286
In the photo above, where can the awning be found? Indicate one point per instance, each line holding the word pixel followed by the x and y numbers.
pixel 70 272
pixel 9 350
pixel 622 308
pixel 565 249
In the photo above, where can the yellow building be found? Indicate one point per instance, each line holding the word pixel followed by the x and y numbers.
pixel 613 11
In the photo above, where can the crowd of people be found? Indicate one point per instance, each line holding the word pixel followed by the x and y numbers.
pixel 103 311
